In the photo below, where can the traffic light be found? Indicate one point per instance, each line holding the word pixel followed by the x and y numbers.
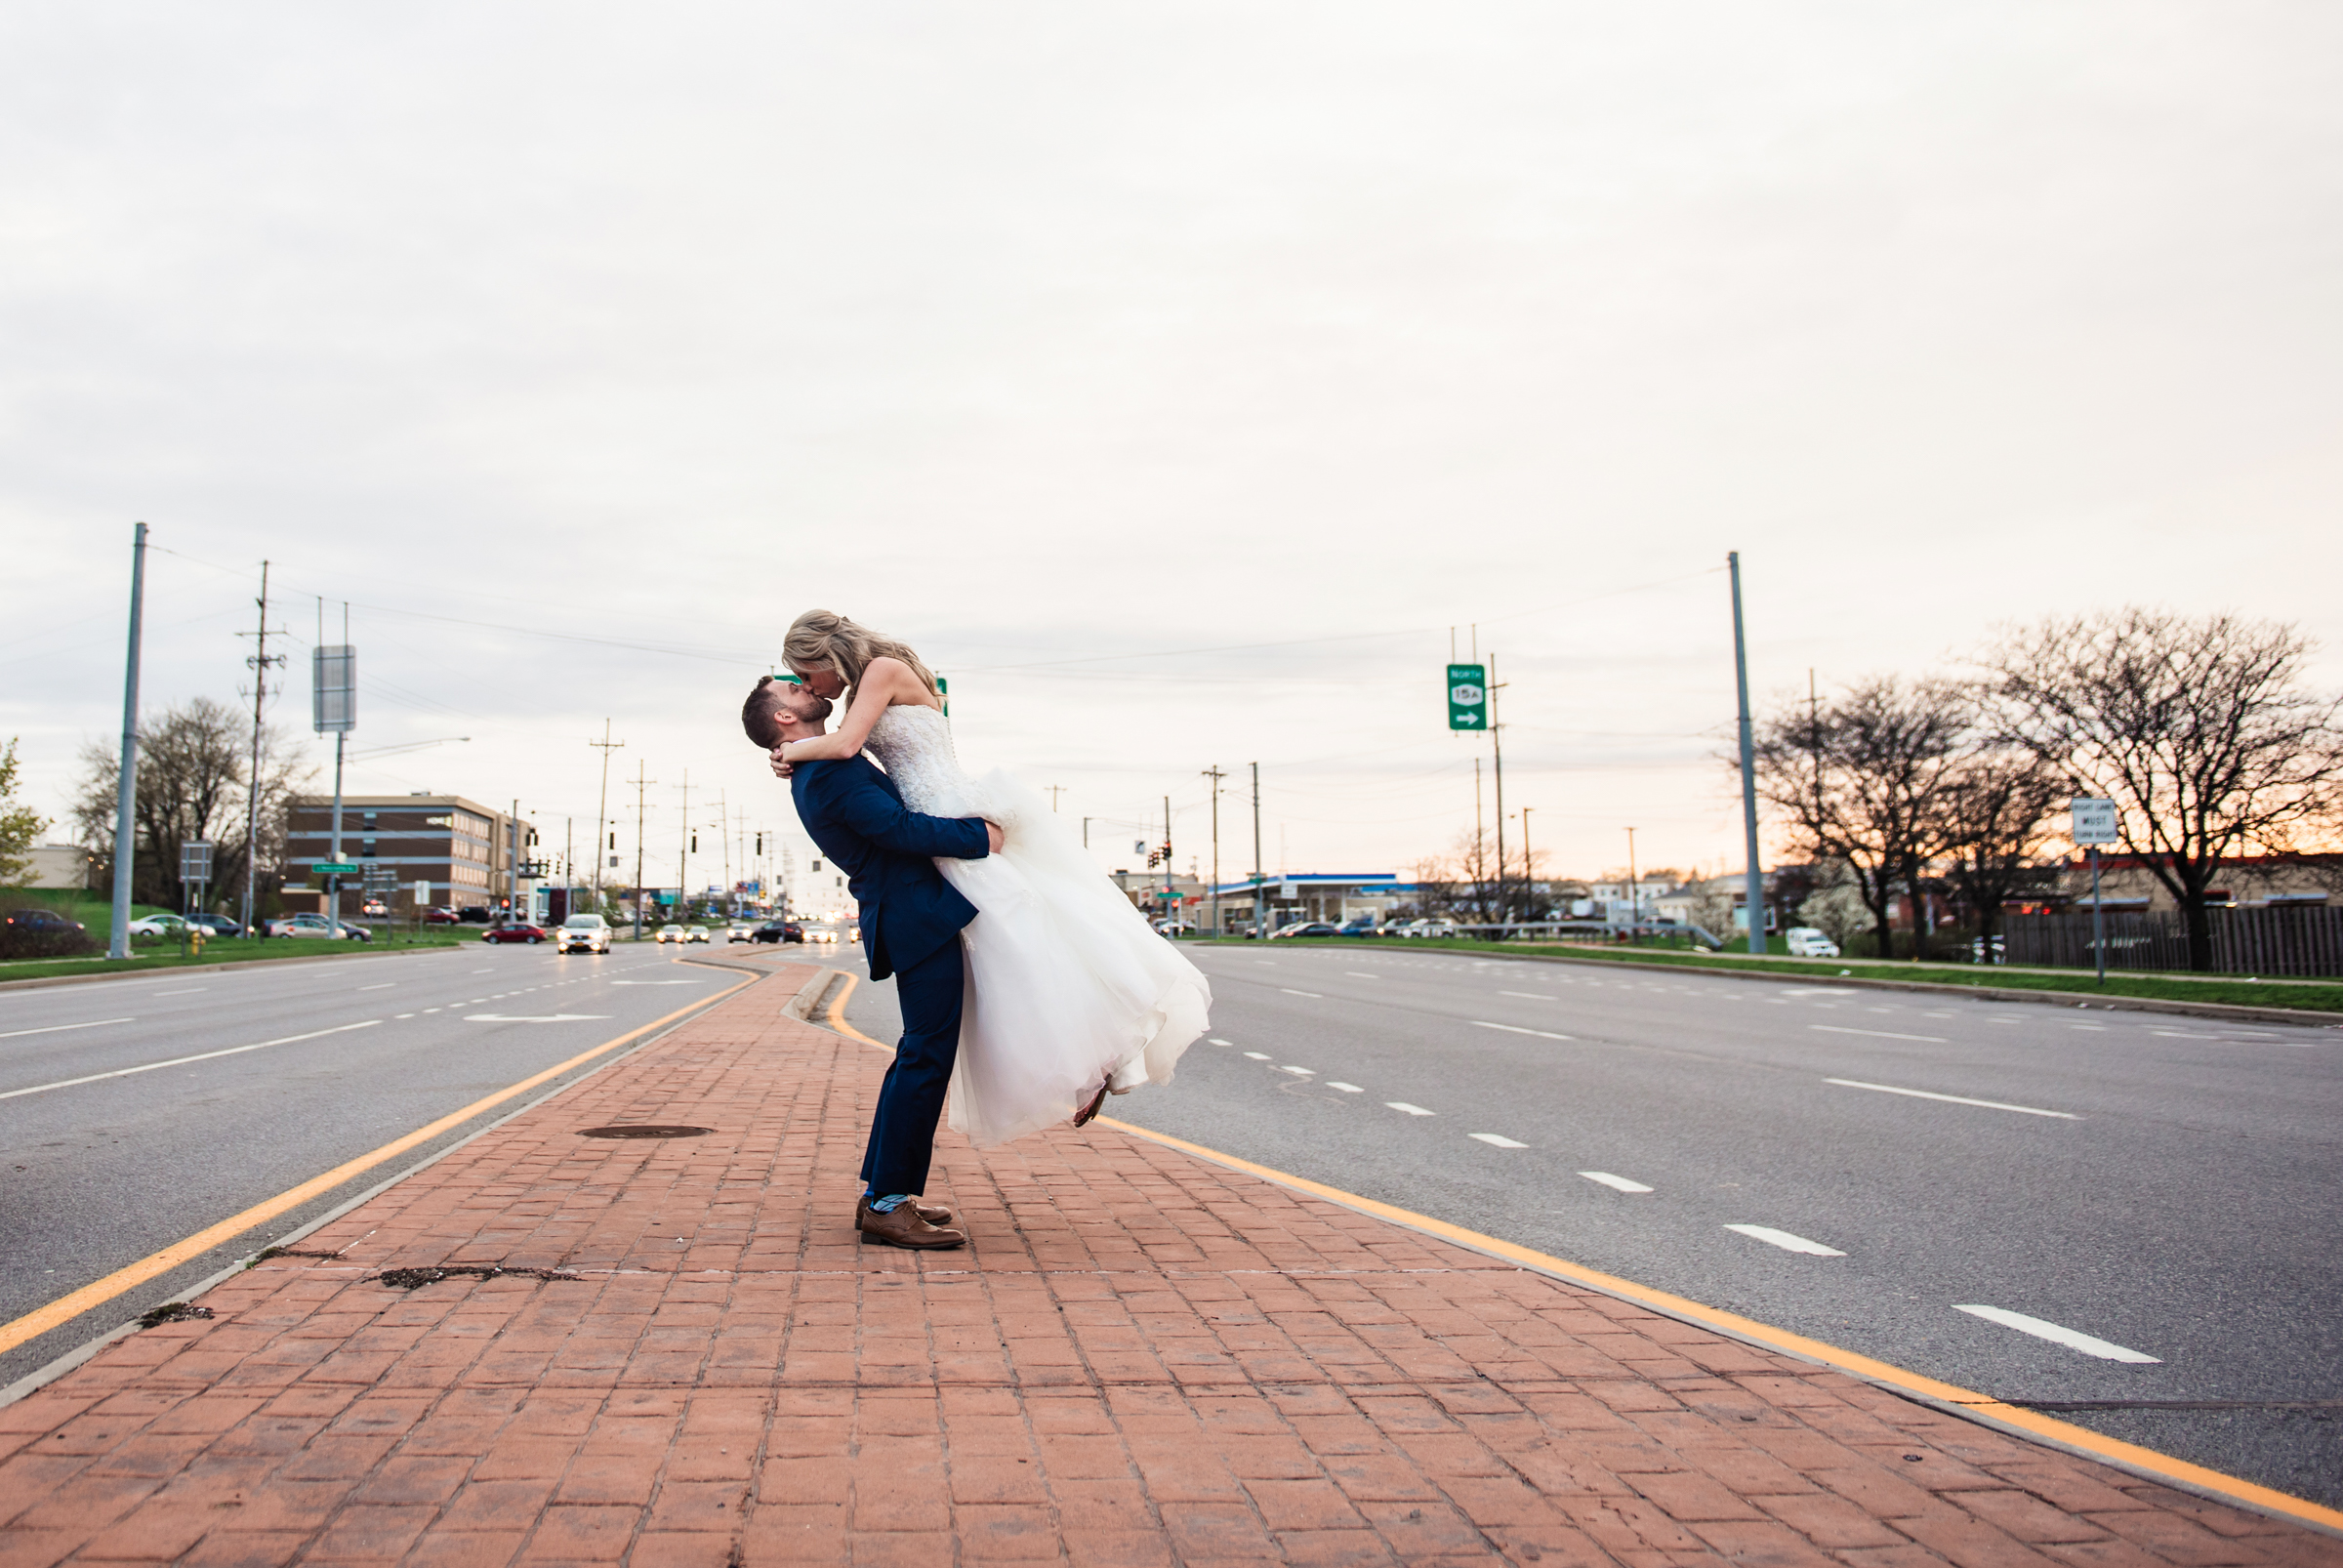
pixel 614 838
pixel 760 843
pixel 695 843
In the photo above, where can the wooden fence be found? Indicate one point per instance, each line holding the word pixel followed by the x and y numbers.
pixel 2277 939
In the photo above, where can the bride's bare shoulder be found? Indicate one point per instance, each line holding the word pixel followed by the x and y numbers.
pixel 902 684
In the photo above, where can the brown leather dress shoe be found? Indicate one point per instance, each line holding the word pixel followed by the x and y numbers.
pixel 935 1213
pixel 903 1227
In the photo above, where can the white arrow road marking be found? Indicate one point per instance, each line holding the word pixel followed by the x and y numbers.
pixel 1495 1140
pixel 1953 1100
pixel 1347 1088
pixel 1543 1034
pixel 2089 1344
pixel 1620 1183
pixel 1788 1242
pixel 553 1018
pixel 1402 1105
pixel 1877 1034
pixel 58 1028
pixel 180 1061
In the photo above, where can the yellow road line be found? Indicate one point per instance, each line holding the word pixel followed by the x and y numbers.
pixel 835 1014
pixel 98 1293
pixel 2143 1460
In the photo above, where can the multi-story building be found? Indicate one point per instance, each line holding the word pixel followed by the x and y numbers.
pixel 466 852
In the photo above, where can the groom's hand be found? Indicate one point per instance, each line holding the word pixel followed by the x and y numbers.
pixel 992 838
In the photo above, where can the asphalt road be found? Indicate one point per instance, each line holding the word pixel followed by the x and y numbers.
pixel 2138 1186
pixel 112 1146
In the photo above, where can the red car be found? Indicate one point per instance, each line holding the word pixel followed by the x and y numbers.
pixel 441 917
pixel 513 934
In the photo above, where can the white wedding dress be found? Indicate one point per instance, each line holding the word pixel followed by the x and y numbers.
pixel 1067 984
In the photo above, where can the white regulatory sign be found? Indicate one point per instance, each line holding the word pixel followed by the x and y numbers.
pixel 2094 820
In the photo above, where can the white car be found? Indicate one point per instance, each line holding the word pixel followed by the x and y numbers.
pixel 740 931
pixel 695 934
pixel 668 932
pixel 156 925
pixel 582 933
pixel 316 925
pixel 1804 941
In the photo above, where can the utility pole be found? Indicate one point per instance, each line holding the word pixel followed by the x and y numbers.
pixel 1753 889
pixel 641 784
pixel 512 888
pixel 570 865
pixel 602 810
pixel 259 660
pixel 1529 869
pixel 1480 849
pixel 335 707
pixel 1170 908
pixel 1261 889
pixel 126 778
pixel 1634 894
pixel 1055 790
pixel 1215 775
pixel 1497 744
pixel 724 831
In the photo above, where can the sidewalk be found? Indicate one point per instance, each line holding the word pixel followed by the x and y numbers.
pixel 1141 1358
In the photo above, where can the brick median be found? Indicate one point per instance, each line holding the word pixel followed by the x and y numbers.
pixel 1141 1358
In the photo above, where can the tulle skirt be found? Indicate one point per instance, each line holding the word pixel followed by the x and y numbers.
pixel 1067 984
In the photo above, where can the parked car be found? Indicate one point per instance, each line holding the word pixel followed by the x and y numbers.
pixel 778 930
pixel 156 925
pixel 374 909
pixel 532 935
pixel 695 934
pixel 441 917
pixel 1363 925
pixel 474 915
pixel 1428 927
pixel 582 933
pixel 1805 942
pixel 315 925
pixel 217 924
pixel 29 920
pixel 1307 928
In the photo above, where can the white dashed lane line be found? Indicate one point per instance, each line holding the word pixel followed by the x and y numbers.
pixel 1300 1072
pixel 1257 1055
pixel 1788 1242
pixel 1495 1140
pixel 1953 1100
pixel 1532 996
pixel 1212 1041
pixel 1347 1088
pixel 1312 995
pixel 2072 1338
pixel 1516 1029
pixel 1403 1108
pixel 1617 1183
pixel 1356 976
pixel 59 1028
pixel 180 1061
pixel 1878 1034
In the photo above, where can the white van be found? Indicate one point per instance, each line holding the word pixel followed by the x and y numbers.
pixel 1807 942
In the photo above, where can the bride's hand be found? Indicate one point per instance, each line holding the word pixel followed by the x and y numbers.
pixel 781 768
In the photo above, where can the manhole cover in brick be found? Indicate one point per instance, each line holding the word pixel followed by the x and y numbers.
pixel 644 1129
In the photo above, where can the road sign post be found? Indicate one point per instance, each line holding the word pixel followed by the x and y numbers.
pixel 194 872
pixel 1467 696
pixel 2092 824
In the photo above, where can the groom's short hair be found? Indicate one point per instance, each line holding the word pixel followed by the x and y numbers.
pixel 763 725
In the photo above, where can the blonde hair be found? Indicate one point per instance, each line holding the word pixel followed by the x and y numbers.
pixel 819 639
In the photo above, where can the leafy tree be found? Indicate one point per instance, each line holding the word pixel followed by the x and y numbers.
pixel 20 826
pixel 2199 729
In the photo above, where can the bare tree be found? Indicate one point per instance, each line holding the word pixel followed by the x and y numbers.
pixel 1863 782
pixel 1995 826
pixel 192 762
pixel 2196 727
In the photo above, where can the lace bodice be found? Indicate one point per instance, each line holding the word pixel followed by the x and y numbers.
pixel 914 744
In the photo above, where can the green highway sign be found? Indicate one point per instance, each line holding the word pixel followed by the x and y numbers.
pixel 1467 696
pixel 335 868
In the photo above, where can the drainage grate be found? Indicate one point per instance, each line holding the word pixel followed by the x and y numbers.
pixel 644 1129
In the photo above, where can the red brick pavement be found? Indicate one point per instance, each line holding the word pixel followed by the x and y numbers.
pixel 1142 1358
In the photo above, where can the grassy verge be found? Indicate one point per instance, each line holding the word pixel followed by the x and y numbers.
pixel 2228 990
pixel 154 956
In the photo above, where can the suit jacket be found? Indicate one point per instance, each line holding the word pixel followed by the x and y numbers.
pixel 856 815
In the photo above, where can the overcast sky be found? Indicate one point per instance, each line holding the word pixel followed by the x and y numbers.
pixel 1174 377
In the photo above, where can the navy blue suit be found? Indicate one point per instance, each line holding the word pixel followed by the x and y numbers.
pixel 911 921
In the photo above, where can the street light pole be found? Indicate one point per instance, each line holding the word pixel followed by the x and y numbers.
pixel 1261 889
pixel 1753 888
pixel 1215 775
pixel 126 778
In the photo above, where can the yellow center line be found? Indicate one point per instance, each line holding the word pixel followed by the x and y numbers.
pixel 2146 1460
pixel 32 1325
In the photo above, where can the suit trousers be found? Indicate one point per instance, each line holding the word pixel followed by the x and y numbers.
pixel 911 1100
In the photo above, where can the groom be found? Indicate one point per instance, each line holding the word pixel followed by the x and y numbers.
pixel 911 921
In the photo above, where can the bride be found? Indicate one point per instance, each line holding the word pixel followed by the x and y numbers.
pixel 1070 994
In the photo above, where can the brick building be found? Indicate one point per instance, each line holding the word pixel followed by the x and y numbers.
pixel 466 851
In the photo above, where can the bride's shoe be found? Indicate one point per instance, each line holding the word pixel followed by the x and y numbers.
pixel 1082 1116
